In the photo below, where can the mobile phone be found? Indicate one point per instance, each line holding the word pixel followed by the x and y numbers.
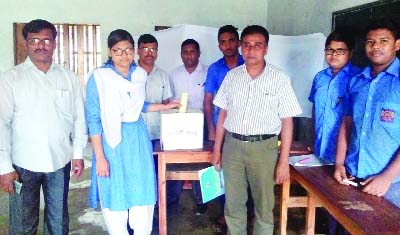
pixel 17 186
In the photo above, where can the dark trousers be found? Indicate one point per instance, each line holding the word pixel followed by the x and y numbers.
pixel 174 190
pixel 24 207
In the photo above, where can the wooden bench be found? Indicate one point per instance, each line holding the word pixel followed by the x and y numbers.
pixel 358 212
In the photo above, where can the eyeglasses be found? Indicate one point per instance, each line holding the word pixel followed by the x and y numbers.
pixel 149 49
pixel 37 41
pixel 256 46
pixel 338 51
pixel 120 52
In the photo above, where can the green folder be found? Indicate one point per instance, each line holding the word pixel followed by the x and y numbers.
pixel 212 183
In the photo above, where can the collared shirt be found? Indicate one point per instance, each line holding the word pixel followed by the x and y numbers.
pixel 256 106
pixel 328 93
pixel 40 113
pixel 93 112
pixel 375 109
pixel 191 83
pixel 215 75
pixel 157 90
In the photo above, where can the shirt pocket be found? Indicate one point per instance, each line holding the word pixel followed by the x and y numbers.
pixel 337 104
pixel 387 117
pixel 272 100
pixel 64 103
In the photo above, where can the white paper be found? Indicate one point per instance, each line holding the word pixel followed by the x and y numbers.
pixel 308 160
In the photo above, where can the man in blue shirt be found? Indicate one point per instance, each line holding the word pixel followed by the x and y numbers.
pixel 369 136
pixel 328 92
pixel 228 43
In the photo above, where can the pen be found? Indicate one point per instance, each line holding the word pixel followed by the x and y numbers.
pixel 350 182
pixel 305 160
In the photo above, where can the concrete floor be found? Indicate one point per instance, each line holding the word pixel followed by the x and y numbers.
pixel 181 219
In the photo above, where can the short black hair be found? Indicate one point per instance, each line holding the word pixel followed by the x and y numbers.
pixel 384 23
pixel 119 35
pixel 190 41
pixel 255 29
pixel 341 35
pixel 147 38
pixel 228 29
pixel 35 26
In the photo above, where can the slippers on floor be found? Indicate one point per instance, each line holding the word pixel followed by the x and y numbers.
pixel 219 227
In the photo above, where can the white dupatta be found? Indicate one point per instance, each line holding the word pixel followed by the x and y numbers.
pixel 120 100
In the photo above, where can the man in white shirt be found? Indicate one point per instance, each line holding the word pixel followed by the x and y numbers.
pixel 158 89
pixel 191 76
pixel 42 134
pixel 188 78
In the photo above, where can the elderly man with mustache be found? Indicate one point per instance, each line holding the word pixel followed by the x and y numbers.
pixel 42 134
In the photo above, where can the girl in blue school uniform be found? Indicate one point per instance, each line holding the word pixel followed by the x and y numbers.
pixel 123 174
pixel 328 95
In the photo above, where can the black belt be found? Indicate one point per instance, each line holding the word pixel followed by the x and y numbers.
pixel 252 138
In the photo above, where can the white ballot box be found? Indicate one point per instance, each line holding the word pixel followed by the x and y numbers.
pixel 182 130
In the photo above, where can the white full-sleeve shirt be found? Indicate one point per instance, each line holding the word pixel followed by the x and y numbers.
pixel 42 122
pixel 192 83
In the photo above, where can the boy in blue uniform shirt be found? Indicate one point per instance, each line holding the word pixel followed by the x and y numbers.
pixel 328 92
pixel 328 95
pixel 228 43
pixel 369 136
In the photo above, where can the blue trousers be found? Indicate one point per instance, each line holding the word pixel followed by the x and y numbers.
pixel 174 190
pixel 24 207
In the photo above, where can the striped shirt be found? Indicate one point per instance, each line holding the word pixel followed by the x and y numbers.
pixel 256 106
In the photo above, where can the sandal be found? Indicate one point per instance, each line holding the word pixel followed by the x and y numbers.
pixel 220 225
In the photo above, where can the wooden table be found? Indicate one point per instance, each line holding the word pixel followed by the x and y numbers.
pixel 358 212
pixel 186 157
pixel 177 156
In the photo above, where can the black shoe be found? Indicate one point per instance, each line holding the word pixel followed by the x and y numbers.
pixel 200 209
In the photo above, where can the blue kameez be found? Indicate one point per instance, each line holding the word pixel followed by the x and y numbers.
pixel 132 180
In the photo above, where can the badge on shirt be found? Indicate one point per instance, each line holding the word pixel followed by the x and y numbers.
pixel 387 115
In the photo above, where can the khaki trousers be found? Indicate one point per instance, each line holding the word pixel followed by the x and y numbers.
pixel 249 163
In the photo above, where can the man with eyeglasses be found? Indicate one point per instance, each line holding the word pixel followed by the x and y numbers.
pixel 42 134
pixel 328 92
pixel 228 43
pixel 257 103
pixel 158 89
pixel 328 95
